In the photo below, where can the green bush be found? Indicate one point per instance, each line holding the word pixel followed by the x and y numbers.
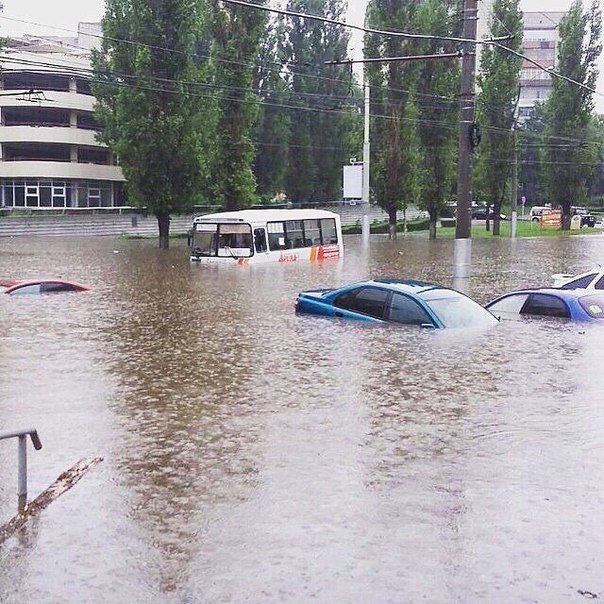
pixel 380 228
pixel 418 225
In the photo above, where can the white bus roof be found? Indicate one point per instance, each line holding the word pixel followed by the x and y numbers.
pixel 265 215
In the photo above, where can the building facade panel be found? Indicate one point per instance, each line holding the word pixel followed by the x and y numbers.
pixel 41 134
pixel 51 99
pixel 60 170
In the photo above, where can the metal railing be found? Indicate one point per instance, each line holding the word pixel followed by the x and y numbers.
pixel 22 460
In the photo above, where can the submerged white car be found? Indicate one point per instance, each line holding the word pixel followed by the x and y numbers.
pixel 592 279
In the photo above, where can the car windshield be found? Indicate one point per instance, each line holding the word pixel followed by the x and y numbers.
pixel 456 310
pixel 593 305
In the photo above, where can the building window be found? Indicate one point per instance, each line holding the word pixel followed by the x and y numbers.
pixel 59 195
pixel 32 195
pixel 94 197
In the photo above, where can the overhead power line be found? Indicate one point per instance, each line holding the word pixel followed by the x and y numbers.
pixel 489 41
pixel 367 30
pixel 292 67
pixel 204 90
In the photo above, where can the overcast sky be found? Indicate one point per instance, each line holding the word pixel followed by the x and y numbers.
pixel 20 16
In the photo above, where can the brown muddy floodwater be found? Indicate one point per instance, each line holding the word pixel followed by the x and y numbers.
pixel 252 455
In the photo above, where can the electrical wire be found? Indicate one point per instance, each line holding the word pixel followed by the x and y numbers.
pixel 285 106
pixel 367 30
pixel 302 108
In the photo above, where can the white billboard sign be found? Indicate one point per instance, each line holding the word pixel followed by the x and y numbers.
pixel 353 182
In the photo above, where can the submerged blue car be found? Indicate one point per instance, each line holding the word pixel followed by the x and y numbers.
pixel 573 304
pixel 405 302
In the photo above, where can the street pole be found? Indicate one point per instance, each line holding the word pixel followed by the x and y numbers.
pixel 463 241
pixel 514 200
pixel 365 191
pixel 514 187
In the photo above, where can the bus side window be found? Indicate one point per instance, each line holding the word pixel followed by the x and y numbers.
pixel 312 232
pixel 276 235
pixel 328 231
pixel 260 240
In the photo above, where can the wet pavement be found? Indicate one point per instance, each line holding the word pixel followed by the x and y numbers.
pixel 252 455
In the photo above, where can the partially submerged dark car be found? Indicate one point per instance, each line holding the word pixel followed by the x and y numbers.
pixel 480 213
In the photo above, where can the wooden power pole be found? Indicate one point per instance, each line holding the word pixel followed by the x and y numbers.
pixel 463 242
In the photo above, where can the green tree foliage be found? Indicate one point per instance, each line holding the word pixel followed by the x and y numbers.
pixel 596 137
pixel 147 102
pixel 530 137
pixel 438 125
pixel 322 97
pixel 570 156
pixel 499 87
pixel 272 132
pixel 236 32
pixel 396 154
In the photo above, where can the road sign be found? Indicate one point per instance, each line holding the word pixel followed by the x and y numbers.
pixel 551 219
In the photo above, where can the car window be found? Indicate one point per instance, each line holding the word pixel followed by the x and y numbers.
pixel 366 300
pixel 593 305
pixel 53 288
pixel 509 304
pixel 579 283
pixel 405 310
pixel 600 283
pixel 455 309
pixel 27 289
pixel 545 305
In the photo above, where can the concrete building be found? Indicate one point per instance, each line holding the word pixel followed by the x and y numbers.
pixel 49 153
pixel 540 43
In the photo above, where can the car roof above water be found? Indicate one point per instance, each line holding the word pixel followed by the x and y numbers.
pixel 407 285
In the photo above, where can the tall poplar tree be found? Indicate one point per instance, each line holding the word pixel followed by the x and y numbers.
pixel 530 138
pixel 236 32
pixel 272 132
pixel 394 141
pixel 148 104
pixel 570 157
pixel 499 80
pixel 438 125
pixel 320 128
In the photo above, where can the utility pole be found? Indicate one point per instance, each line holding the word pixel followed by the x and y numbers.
pixel 514 186
pixel 365 192
pixel 463 241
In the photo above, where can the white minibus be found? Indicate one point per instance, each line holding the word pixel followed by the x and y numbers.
pixel 253 236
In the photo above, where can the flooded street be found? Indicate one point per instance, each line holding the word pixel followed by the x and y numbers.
pixel 252 455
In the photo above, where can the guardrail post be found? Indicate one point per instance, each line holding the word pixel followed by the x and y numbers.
pixel 22 474
pixel 22 435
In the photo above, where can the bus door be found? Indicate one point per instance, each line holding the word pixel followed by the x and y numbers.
pixel 260 241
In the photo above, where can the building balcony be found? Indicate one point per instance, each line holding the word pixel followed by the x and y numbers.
pixel 52 99
pixel 59 170
pixel 49 134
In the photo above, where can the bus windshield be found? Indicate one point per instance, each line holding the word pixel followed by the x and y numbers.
pixel 222 240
